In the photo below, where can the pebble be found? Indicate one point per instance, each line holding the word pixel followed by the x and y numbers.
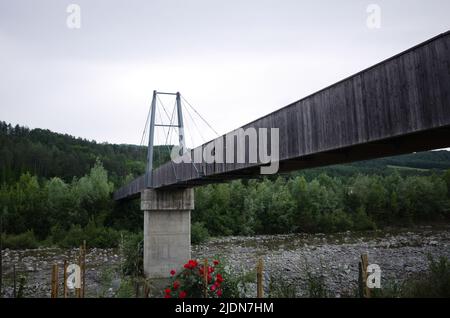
pixel 334 257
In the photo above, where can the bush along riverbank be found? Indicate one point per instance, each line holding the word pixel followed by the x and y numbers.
pixel 53 212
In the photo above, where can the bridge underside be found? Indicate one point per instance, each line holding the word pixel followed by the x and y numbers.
pixel 416 142
pixel 398 106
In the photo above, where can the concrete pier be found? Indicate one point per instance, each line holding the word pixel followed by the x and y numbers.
pixel 167 230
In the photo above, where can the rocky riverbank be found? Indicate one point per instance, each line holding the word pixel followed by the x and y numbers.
pixel 400 254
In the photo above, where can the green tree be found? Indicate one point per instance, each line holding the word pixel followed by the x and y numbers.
pixel 447 181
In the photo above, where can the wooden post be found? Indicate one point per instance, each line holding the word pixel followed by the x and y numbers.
pixel 136 286
pixel 364 291
pixel 83 271
pixel 205 277
pixel 146 289
pixel 65 280
pixel 360 281
pixel 259 279
pixel 78 291
pixel 54 293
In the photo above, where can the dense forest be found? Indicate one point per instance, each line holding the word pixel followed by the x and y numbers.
pixel 56 190
pixel 46 154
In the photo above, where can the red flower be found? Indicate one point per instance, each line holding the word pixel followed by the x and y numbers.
pixel 176 284
pixel 219 292
pixel 182 294
pixel 219 278
pixel 216 262
pixel 191 264
pixel 213 287
pixel 167 296
pixel 172 272
pixel 210 269
pixel 217 283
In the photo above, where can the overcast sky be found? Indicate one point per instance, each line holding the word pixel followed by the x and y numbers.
pixel 234 61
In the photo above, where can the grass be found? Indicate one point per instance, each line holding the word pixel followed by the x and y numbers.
pixel 434 283
pixel 279 287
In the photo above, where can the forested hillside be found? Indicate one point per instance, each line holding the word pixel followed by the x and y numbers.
pixel 47 154
pixel 57 190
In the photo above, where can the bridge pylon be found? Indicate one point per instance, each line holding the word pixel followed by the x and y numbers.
pixel 152 125
pixel 167 213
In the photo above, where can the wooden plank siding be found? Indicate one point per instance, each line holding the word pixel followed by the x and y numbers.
pixel 398 106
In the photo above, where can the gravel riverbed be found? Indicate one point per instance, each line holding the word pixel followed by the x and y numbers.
pixel 400 254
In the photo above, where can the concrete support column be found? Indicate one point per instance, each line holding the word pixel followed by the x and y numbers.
pixel 167 230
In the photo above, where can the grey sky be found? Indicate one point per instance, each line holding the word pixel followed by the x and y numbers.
pixel 233 60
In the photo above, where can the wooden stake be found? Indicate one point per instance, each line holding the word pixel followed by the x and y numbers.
pixel 54 293
pixel 259 279
pixel 83 271
pixel 65 280
pixel 137 289
pixel 78 291
pixel 146 289
pixel 205 277
pixel 364 290
pixel 360 281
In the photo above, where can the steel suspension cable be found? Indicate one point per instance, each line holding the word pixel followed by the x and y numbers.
pixel 195 124
pixel 201 117
pixel 168 148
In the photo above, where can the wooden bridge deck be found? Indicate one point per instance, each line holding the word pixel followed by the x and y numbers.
pixel 400 105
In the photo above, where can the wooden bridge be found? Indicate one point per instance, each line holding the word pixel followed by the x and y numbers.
pixel 400 105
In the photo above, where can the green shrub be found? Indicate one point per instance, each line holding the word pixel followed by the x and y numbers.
pixel 132 250
pixel 107 274
pixel 388 290
pixel 100 236
pixel 22 286
pixel 235 284
pixel 199 233
pixel 335 221
pixel 361 221
pixel 435 283
pixel 20 241
pixel 72 238
pixel 57 234
pixel 279 287
pixel 126 288
pixel 316 284
pixel 94 235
